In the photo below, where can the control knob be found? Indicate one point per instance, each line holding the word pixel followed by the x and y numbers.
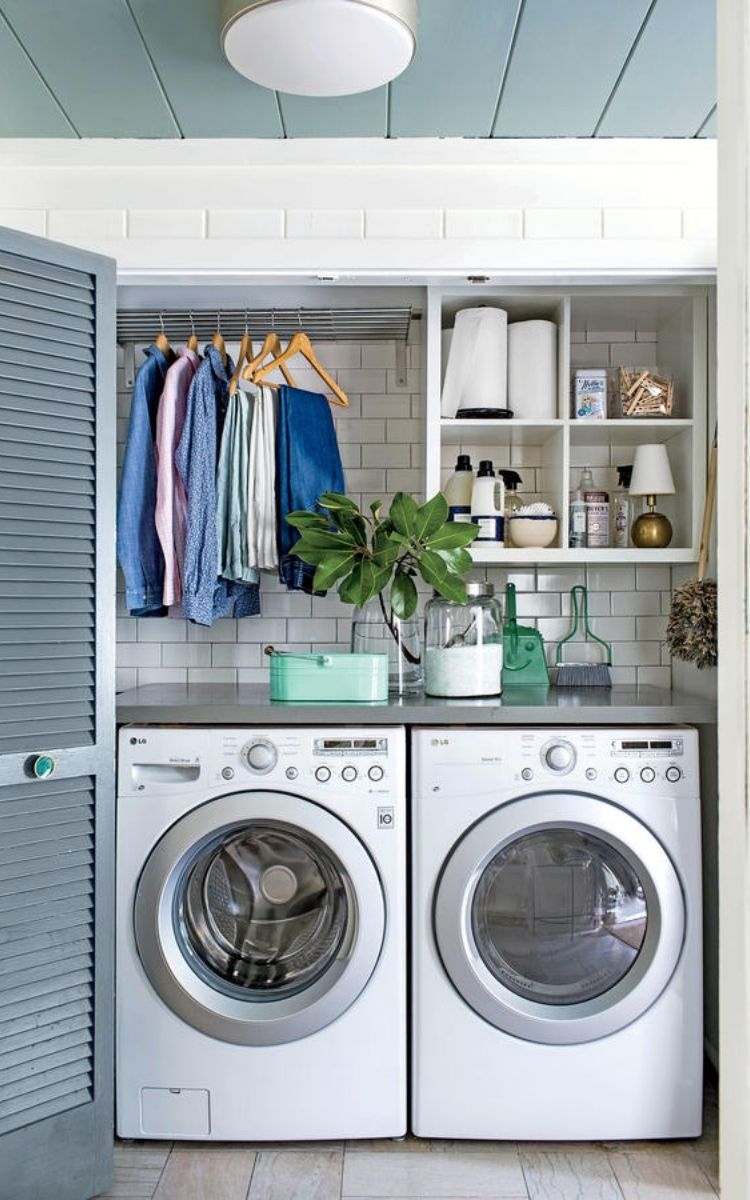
pixel 560 757
pixel 673 774
pixel 622 775
pixel 648 774
pixel 260 756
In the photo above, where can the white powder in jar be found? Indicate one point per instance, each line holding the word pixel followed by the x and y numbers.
pixel 464 670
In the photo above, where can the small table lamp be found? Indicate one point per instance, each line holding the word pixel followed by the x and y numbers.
pixel 652 477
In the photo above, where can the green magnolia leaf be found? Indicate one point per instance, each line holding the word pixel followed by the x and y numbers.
pixel 333 567
pixel 375 508
pixel 399 539
pixel 328 539
pixel 435 571
pixel 430 517
pixel 404 596
pixel 459 560
pixel 351 523
pixel 349 588
pixel 307 554
pixel 306 520
pixel 335 502
pixel 452 535
pixel 403 513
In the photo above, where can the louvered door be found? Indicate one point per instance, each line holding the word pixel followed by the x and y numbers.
pixel 57 400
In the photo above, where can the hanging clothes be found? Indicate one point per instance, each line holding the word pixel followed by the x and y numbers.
pixel 308 464
pixel 171 501
pixel 232 492
pixel 138 546
pixel 206 597
pixel 261 528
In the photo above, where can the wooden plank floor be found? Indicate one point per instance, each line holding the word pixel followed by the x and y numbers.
pixel 427 1170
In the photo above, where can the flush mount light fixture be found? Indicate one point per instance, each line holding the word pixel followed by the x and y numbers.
pixel 320 47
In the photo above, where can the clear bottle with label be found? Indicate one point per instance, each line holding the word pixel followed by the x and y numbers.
pixel 513 500
pixel 577 538
pixel 488 504
pixel 457 490
pixel 622 509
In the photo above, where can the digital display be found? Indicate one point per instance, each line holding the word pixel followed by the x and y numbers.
pixel 360 745
pixel 337 744
pixel 634 745
pixel 661 745
pixel 365 744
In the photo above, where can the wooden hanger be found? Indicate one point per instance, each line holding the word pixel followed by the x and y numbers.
pixel 192 342
pixel 246 351
pixel 217 341
pixel 271 345
pixel 161 340
pixel 301 344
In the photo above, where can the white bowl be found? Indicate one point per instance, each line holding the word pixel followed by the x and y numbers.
pixel 532 532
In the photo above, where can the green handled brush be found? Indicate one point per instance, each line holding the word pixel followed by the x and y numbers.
pixel 582 674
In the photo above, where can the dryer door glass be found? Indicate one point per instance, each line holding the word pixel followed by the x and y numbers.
pixel 263 909
pixel 559 916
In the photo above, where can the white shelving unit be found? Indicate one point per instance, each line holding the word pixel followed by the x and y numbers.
pixel 549 454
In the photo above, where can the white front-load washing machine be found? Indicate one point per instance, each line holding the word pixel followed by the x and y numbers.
pixel 557 934
pixel 261 933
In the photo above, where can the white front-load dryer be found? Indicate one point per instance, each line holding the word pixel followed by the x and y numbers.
pixel 261 940
pixel 557 934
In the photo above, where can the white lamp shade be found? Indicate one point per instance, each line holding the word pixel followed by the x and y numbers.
pixel 319 47
pixel 652 474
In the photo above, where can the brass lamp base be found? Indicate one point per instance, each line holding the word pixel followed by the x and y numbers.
pixel 652 530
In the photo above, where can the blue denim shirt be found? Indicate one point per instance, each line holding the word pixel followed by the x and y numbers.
pixel 206 597
pixel 138 547
pixel 308 463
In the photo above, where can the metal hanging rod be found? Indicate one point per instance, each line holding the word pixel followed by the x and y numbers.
pixel 321 324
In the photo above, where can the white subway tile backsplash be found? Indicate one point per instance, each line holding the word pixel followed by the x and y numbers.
pixel 166 223
pixel 139 654
pixel 610 579
pixel 654 577
pixel 636 604
pixel 186 654
pixel 162 629
pixel 236 654
pixel 147 675
pixel 404 223
pixel 699 223
pixel 327 223
pixel 563 223
pixel 393 454
pixel 642 223
pixel 635 654
pixel 265 630
pixel 483 223
pixel 651 628
pixel 312 629
pixel 660 677
pixel 86 225
pixel 245 223
pixel 26 220
pixel 211 675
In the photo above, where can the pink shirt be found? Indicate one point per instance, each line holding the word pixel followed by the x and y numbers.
pixel 171 501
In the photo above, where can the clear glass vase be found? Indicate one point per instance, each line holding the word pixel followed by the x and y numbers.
pixel 377 630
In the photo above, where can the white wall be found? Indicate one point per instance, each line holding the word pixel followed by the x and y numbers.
pixel 427 207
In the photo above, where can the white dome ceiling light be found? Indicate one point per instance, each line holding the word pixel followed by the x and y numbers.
pixel 320 47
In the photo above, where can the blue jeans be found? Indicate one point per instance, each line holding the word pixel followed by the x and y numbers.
pixel 308 464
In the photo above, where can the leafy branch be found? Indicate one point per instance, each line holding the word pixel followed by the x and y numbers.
pixel 363 555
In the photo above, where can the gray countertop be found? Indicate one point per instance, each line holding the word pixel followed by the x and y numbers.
pixel 230 704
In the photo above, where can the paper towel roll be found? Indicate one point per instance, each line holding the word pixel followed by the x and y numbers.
pixel 477 371
pixel 532 369
pixel 446 337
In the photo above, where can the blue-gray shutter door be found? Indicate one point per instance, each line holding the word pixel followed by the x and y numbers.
pixel 57 529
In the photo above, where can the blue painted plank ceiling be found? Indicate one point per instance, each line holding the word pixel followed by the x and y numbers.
pixel 483 68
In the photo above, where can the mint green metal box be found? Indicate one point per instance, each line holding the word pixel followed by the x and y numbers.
pixel 309 677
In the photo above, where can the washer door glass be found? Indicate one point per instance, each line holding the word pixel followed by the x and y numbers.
pixel 264 910
pixel 259 917
pixel 559 916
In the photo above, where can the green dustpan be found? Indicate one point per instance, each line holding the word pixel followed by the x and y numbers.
pixel 524 664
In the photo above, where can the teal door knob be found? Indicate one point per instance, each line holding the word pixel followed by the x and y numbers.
pixel 43 766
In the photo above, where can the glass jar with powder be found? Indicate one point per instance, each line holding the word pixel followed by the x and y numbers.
pixel 464 644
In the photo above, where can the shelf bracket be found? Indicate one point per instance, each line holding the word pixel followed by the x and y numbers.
pixel 401 364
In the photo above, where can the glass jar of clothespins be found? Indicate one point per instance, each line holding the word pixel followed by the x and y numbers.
pixel 644 392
